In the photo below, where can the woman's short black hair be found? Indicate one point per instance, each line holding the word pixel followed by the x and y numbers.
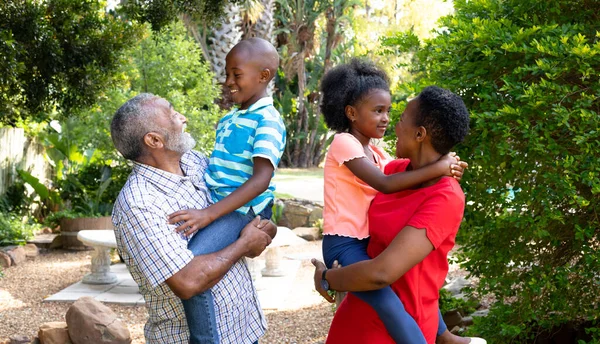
pixel 445 117
pixel 346 85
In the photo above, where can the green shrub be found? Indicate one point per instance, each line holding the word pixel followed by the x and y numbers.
pixel 528 72
pixel 13 231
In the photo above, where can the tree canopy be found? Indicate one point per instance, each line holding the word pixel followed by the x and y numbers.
pixel 56 54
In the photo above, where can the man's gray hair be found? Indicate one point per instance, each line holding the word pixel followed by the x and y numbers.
pixel 130 123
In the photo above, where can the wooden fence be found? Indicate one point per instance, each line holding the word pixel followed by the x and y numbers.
pixel 19 152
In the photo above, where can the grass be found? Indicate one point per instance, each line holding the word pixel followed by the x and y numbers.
pixel 298 173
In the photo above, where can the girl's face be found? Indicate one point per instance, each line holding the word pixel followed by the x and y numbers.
pixel 370 116
pixel 406 130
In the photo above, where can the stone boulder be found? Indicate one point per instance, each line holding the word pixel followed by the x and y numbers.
pixel 16 253
pixel 308 233
pixel 54 333
pixel 299 213
pixel 19 339
pixel 5 260
pixel 31 250
pixel 89 321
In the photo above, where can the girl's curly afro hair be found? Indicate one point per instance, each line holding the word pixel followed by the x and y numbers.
pixel 346 85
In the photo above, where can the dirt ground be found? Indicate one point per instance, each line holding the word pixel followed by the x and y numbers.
pixel 23 288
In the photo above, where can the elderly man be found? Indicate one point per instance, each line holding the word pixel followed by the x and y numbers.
pixel 168 176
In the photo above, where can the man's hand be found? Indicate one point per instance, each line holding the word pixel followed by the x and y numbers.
pixel 256 238
pixel 194 219
pixel 319 268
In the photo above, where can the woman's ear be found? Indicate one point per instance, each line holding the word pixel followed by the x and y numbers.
pixel 154 140
pixel 421 134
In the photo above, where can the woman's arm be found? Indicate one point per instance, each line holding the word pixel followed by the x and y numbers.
pixel 448 165
pixel 407 249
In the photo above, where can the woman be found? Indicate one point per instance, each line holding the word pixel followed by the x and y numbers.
pixel 411 231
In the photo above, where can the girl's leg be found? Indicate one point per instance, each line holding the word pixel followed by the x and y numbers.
pixel 441 324
pixel 399 324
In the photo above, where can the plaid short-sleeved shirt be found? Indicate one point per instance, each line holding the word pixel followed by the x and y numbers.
pixel 153 252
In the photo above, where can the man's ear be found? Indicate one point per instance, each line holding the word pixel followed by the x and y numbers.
pixel 266 75
pixel 154 140
pixel 421 134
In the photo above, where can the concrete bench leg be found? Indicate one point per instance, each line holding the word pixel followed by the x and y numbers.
pixel 100 268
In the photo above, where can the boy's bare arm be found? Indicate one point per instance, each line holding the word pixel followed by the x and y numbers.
pixel 448 165
pixel 254 186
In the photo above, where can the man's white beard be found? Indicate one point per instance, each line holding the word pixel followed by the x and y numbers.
pixel 180 142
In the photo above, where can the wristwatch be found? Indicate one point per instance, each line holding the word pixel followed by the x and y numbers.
pixel 324 283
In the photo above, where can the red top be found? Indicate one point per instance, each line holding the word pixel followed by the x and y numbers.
pixel 438 209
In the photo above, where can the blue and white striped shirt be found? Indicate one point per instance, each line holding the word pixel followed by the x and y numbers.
pixel 153 252
pixel 243 135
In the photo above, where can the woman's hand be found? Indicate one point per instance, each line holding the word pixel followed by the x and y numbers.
pixel 319 268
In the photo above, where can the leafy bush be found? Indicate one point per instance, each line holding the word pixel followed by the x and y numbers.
pixel 13 231
pixel 449 303
pixel 528 72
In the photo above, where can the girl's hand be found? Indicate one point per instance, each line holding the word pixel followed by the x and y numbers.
pixel 459 168
pixel 450 160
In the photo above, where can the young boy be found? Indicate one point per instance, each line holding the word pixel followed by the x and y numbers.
pixel 249 144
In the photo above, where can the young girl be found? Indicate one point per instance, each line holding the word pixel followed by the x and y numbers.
pixel 356 104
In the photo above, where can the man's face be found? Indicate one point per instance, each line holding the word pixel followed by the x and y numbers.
pixel 173 126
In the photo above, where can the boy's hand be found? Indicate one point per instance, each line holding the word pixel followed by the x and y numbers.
pixel 194 219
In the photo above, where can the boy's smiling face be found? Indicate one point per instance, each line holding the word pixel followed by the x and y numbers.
pixel 246 80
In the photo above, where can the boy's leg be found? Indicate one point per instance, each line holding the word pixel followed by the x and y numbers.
pixel 200 309
pixel 399 324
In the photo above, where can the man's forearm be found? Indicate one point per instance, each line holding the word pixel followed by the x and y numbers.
pixel 205 271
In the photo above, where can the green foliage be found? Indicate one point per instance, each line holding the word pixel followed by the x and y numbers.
pixel 57 54
pixel 161 13
pixel 527 71
pixel 169 65
pixel 13 231
pixel 449 303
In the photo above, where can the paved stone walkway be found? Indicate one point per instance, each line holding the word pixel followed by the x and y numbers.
pixel 275 293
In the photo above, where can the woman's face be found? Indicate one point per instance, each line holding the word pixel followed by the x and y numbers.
pixel 406 130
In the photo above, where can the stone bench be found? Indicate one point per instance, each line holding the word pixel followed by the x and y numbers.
pixel 102 240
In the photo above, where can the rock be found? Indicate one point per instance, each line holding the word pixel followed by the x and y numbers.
pixel 57 242
pixel 54 333
pixel 89 321
pixel 31 250
pixel 316 214
pixel 452 318
pixel 308 233
pixel 467 321
pixel 481 313
pixel 17 254
pixel 300 213
pixel 19 340
pixel 456 285
pixel 5 260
